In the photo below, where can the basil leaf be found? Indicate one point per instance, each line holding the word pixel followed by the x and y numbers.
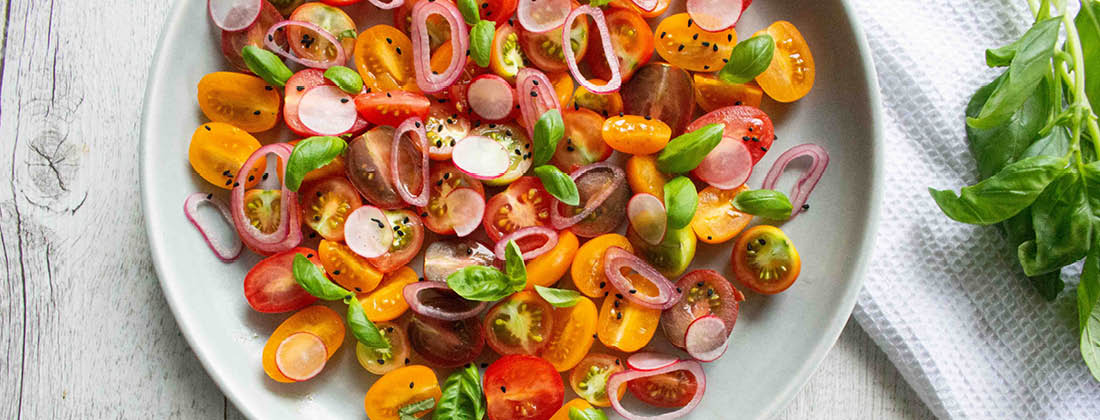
pixel 480 283
pixel 469 11
pixel 681 198
pixel 314 281
pixel 586 414
pixel 1019 230
pixel 310 154
pixel 769 204
pixel 362 328
pixel 481 42
pixel 1054 144
pixel 1030 62
pixel 1003 195
pixel 1063 216
pixel 558 298
pixel 346 79
pixel 266 64
pixel 558 184
pixel 346 34
pixel 748 59
pixel 1088 310
pixel 408 412
pixel 1088 29
pixel 548 130
pixel 462 397
pixel 1049 285
pixel 685 152
pixel 514 268
pixel 993 148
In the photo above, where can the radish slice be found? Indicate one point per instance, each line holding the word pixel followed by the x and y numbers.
pixel 715 15
pixel 618 380
pixel 647 5
pixel 234 15
pixel 615 259
pixel 540 16
pixel 808 181
pixel 520 234
pixel 491 97
pixel 437 300
pixel 270 41
pixel 367 232
pixel 393 4
pixel 327 110
pixel 301 356
pixel 726 167
pixel 536 95
pixel 289 233
pixel 557 215
pixel 465 208
pixel 480 157
pixel 414 127
pixel 616 80
pixel 706 339
pixel 649 361
pixel 428 80
pixel 648 217
pixel 227 252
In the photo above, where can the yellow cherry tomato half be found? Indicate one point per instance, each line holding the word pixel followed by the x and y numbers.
pixel 716 220
pixel 684 44
pixel 387 302
pixel 347 268
pixel 243 100
pixel 401 387
pixel 587 270
pixel 605 104
pixel 636 135
pixel 624 325
pixel 384 58
pixel 217 152
pixel 643 176
pixel 546 269
pixel 712 93
pixel 790 76
pixel 563 412
pixel 572 336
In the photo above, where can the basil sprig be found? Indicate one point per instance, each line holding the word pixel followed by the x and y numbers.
pixel 314 282
pixel 549 129
pixel 462 397
pixel 558 298
pixel 481 42
pixel 346 79
pixel 1028 60
pixel 469 11
pixel 558 184
pixel 748 59
pixel 310 154
pixel 681 198
pixel 408 412
pixel 769 204
pixel 487 284
pixel 687 151
pixel 586 414
pixel 266 64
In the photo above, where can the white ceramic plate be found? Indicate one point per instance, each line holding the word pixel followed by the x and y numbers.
pixel 778 341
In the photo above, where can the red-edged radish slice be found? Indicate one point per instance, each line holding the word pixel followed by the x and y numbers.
pixel 480 157
pixel 234 15
pixel 706 338
pixel 649 361
pixel 808 181
pixel 491 97
pixel 301 356
pixel 519 235
pixel 542 15
pixel 648 217
pixel 715 15
pixel 647 5
pixel 393 4
pixel 367 232
pixel 618 380
pixel 227 252
pixel 615 259
pixel 465 207
pixel 610 55
pixel 727 166
pixel 327 110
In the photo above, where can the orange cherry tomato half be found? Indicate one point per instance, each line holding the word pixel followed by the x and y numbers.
pixel 790 76
pixel 582 144
pixel 644 177
pixel 386 302
pixel 384 58
pixel 563 86
pixel 686 45
pixel 521 324
pixel 712 93
pixel 217 152
pixel 604 104
pixel 572 338
pixel 765 260
pixel 347 268
pixel 401 387
pixel 587 269
pixel 636 135
pixel 318 320
pixel 242 100
pixel 716 220
pixel 546 269
pixel 624 325
pixel 563 412
pixel 589 378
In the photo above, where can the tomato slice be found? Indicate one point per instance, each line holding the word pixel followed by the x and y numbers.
pixel 399 388
pixel 381 362
pixel 563 86
pixel 391 107
pixel 716 220
pixel 317 320
pixel 384 58
pixel 582 144
pixel 544 50
pixel 644 177
pixel 217 152
pixel 745 123
pixel 606 104
pixel 515 141
pixel 408 237
pixel 524 203
pixel 632 40
pixel 669 390
pixel 521 324
pixel 234 42
pixel 521 387
pixel 444 128
pixel 546 269
pixel 624 325
pixel 587 270
pixel 790 76
pixel 572 337
pixel 386 302
pixel 506 59
pixel 589 379
pixel 705 292
pixel 368 167
pixel 308 43
pixel 326 203
pixel 242 100
pixel 346 268
pixel 686 45
pixel 765 260
pixel 269 287
pixel 297 86
pixel 712 93
pixel 446 343
pixel 443 178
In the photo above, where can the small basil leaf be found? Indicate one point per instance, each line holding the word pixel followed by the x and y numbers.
pixel 481 42
pixel 1088 29
pixel 993 148
pixel 266 64
pixel 748 59
pixel 408 412
pixel 480 283
pixel 1054 144
pixel 1063 216
pixel 1088 310
pixel 769 204
pixel 685 152
pixel 462 397
pixel 1003 195
pixel 362 328
pixel 314 281
pixel 548 130
pixel 558 298
pixel 1029 63
pixel 514 267
pixel 346 79
pixel 681 198
pixel 558 184
pixel 469 11
pixel 310 154
pixel 586 414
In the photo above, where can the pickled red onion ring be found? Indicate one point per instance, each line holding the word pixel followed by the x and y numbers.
pixel 618 177
pixel 550 235
pixel 341 55
pixel 416 128
pixel 618 380
pixel 616 80
pixel 393 4
pixel 225 252
pixel 536 95
pixel 289 233
pixel 426 79
pixel 802 188
pixel 615 259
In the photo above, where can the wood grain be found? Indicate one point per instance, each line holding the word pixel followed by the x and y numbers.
pixel 84 328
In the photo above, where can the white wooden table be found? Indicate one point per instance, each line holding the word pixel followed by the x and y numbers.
pixel 84 329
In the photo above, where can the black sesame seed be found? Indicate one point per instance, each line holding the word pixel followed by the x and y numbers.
pixel 745 138
pixel 380 361
pixel 268 88
pixel 503 389
pixel 301 88
pixel 715 48
pixel 569 148
pixel 681 48
pixel 344 100
pixel 603 284
pixel 663 35
pixel 805 207
pixel 690 22
pixel 251 178
pixel 618 315
pixel 388 95
pixel 762 241
pixel 236 184
pixel 534 94
pixel 389 40
pixel 695 37
pixel 763 148
pixel 209 196
pixel 410 385
pixel 310 255
pixel 398 49
pixel 313 234
pixel 407 360
pixel 264 177
pixel 536 82
pixel 632 291
pixel 619 295
pixel 256 112
pixel 417 123
pixel 706 67
pixel 737 103
pixel 337 272
pixel 207 127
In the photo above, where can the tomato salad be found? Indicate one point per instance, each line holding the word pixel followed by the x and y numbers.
pixel 507 142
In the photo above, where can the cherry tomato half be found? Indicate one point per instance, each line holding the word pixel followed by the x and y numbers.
pixel 524 203
pixel 444 128
pixel 242 100
pixel 742 122
pixel 326 203
pixel 387 302
pixel 408 237
pixel 544 50
pixel 401 387
pixel 670 390
pixel 446 343
pixel 582 144
pixel 384 58
pixel 368 167
pixel 632 40
pixel 506 59
pixel 572 337
pixel 217 152
pixel 589 378
pixel 308 43
pixel 636 135
pixel 686 45
pixel 439 31
pixel 347 268
pixel 716 220
pixel 443 178
pixel 605 104
pixel 381 362
pixel 765 260
pixel 520 324
pixel 546 269
pixel 712 93
pixel 297 86
pixel 520 387
pixel 644 177
pixel 705 292
pixel 790 76
pixel 625 325
pixel 587 270
pixel 269 287
pixel 391 107
pixel 515 141
pixel 234 42
pixel 317 320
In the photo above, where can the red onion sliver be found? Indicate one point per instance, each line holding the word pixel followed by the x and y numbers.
pixel 647 5
pixel 801 191
pixel 341 55
pixel 551 241
pixel 615 259
pixel 289 233
pixel 367 232
pixel 540 16
pixel 412 294
pixel 426 79
pixel 225 252
pixel 618 380
pixel 327 110
pixel 393 4
pixel 649 361
pixel 561 222
pixel 715 15
pixel 608 51
pixel 532 106
pixel 415 127
pixel 234 15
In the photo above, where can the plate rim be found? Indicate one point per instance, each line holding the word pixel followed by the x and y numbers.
pixel 838 318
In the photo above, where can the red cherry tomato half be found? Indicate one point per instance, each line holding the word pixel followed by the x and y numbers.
pixel 391 107
pixel 705 292
pixel 445 177
pixel 408 237
pixel 745 123
pixel 668 390
pixel 234 42
pixel 326 203
pixel 632 40
pixel 269 287
pixel 582 144
pixel 520 387
pixel 524 204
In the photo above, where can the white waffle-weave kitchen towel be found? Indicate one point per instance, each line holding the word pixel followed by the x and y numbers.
pixel 948 302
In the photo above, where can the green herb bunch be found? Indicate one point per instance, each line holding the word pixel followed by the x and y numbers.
pixel 1034 134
